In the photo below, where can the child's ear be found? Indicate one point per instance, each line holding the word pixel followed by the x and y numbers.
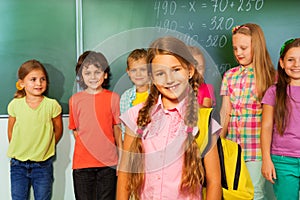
pixel 21 83
pixel 191 71
pixel 105 76
pixel 281 63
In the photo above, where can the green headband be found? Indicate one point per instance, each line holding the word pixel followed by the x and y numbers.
pixel 284 45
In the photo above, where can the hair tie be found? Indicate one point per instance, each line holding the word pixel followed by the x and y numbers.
pixel 189 129
pixel 139 131
pixel 236 28
pixel 18 86
pixel 285 44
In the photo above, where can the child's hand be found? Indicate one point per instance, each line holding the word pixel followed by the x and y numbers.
pixel 268 170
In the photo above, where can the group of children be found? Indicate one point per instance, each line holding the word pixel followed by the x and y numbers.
pixel 142 145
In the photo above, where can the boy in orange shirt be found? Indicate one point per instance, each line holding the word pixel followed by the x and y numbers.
pixel 94 119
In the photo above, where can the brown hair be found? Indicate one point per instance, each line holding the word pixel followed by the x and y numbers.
pixel 264 71
pixel 195 51
pixel 192 171
pixel 25 69
pixel 282 103
pixel 92 58
pixel 136 55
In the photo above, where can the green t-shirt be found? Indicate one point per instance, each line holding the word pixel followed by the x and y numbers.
pixel 32 136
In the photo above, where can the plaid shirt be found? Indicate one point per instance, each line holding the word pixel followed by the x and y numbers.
pixel 245 118
pixel 126 102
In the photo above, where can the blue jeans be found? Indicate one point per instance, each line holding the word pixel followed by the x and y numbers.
pixel 95 183
pixel 25 174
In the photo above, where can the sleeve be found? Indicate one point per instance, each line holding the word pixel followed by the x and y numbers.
pixel 224 85
pixel 129 118
pixel 123 102
pixel 72 125
pixel 211 91
pixel 203 93
pixel 116 108
pixel 56 109
pixel 11 109
pixel 269 96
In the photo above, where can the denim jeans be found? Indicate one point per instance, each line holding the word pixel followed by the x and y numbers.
pixel 25 174
pixel 95 183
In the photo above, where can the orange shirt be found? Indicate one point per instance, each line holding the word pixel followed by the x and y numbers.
pixel 93 116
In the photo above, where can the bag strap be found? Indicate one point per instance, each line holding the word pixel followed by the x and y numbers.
pixel 237 168
pixel 203 139
pixel 222 164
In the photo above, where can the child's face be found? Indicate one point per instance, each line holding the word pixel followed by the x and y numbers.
pixel 35 83
pixel 171 78
pixel 200 64
pixel 291 65
pixel 138 73
pixel 93 78
pixel 242 49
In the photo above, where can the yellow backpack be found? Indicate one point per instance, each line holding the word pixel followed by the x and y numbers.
pixel 236 180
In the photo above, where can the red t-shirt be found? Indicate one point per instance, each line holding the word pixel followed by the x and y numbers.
pixel 93 116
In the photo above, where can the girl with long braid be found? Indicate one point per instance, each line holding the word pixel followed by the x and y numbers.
pixel 161 159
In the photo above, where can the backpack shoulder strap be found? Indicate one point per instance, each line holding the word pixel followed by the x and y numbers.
pixel 203 138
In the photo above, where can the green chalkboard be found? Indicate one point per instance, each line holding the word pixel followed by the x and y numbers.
pixel 46 30
pixel 118 26
pixel 42 30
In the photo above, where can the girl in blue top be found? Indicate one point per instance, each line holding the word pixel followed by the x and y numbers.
pixel 34 128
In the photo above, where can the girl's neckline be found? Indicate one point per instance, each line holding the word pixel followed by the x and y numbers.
pixel 34 103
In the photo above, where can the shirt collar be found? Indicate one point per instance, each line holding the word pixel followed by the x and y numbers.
pixel 249 68
pixel 180 108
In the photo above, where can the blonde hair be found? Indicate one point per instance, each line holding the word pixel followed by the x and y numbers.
pixel 24 70
pixel 192 170
pixel 264 71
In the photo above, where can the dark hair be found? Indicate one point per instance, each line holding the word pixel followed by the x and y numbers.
pixel 282 110
pixel 136 55
pixel 25 69
pixel 92 58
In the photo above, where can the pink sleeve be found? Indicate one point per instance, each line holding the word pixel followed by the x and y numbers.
pixel 206 91
pixel 129 117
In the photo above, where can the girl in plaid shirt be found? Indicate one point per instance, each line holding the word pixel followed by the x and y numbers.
pixel 242 89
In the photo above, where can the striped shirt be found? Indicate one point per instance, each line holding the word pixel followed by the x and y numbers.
pixel 245 118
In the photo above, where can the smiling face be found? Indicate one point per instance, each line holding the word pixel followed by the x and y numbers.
pixel 138 73
pixel 34 83
pixel 291 65
pixel 171 78
pixel 242 49
pixel 93 78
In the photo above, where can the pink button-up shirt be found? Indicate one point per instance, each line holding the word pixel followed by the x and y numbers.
pixel 163 141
